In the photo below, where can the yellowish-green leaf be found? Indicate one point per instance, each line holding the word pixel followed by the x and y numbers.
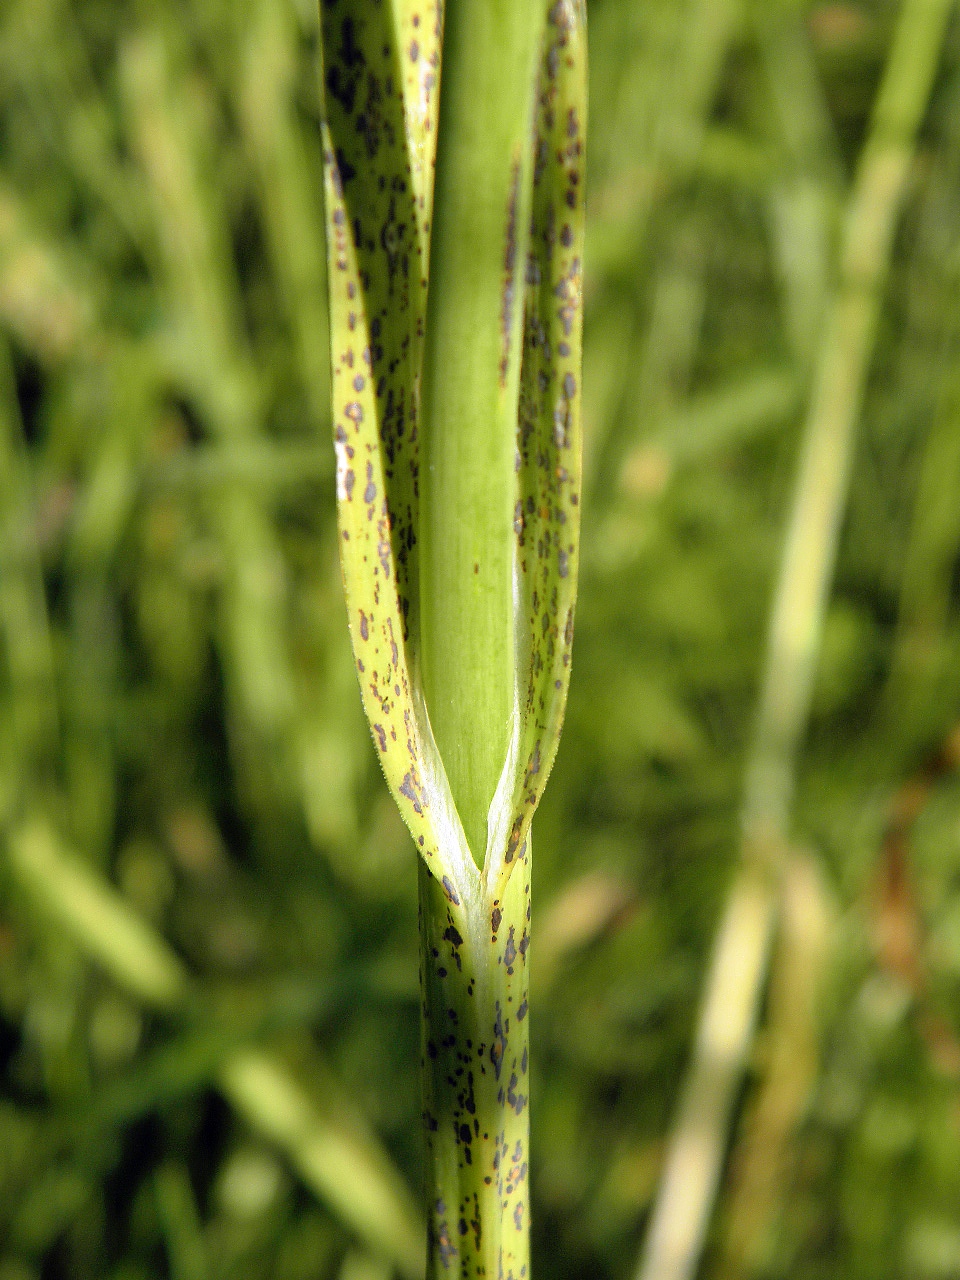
pixel 547 513
pixel 381 82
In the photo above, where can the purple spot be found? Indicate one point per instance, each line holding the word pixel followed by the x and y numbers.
pixel 509 267
pixel 499 1046
pixel 510 951
pixel 448 888
pixel 407 789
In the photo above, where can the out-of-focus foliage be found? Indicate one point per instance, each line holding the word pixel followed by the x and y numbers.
pixel 181 725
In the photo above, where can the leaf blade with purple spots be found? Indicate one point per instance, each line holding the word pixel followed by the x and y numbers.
pixel 381 81
pixel 547 514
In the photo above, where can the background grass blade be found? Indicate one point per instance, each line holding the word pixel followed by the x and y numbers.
pixel 344 1166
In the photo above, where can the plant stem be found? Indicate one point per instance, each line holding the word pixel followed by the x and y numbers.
pixel 475 1084
pixel 474 973
pixel 459 551
pixel 470 391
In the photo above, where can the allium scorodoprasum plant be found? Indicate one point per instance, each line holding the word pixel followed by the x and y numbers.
pixel 454 149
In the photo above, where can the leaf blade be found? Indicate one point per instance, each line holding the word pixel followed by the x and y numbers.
pixel 547 514
pixel 381 79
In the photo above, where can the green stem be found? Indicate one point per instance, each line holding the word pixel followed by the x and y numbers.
pixel 475 1083
pixel 470 391
pixel 458 512
pixel 474 973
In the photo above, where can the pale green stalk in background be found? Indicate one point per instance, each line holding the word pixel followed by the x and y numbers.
pixel 458 481
pixel 694 1157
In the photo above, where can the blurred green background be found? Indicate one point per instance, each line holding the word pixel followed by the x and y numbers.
pixel 208 957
